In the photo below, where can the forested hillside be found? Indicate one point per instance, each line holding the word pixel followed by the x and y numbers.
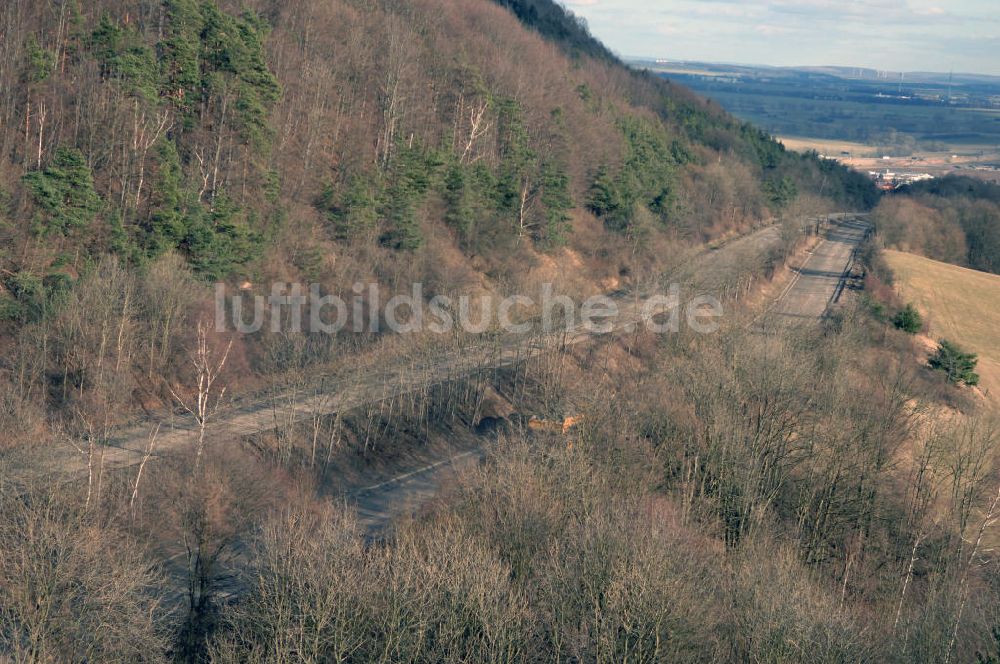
pixel 954 219
pixel 794 487
pixel 161 145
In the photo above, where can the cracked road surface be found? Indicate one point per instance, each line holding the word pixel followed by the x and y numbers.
pixel 819 280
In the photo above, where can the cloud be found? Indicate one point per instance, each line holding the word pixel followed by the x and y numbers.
pixel 888 34
pixel 771 30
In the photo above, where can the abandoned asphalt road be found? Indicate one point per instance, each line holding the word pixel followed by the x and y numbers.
pixel 821 277
pixel 815 284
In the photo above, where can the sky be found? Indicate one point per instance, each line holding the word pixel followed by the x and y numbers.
pixel 892 35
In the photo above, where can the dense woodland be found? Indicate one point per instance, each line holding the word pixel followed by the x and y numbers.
pixel 809 496
pixel 153 147
pixel 793 498
pixel 954 219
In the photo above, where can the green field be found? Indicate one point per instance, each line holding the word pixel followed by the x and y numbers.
pixel 931 127
pixel 898 113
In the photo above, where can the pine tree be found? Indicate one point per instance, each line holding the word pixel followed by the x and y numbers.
pixel 958 365
pixel 65 193
pixel 457 196
pixel 220 241
pixel 357 213
pixel 123 56
pixel 178 54
pixel 557 203
pixel 171 207
pixel 412 174
pixel 908 320
pixel 40 61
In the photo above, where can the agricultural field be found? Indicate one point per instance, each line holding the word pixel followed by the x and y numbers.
pixel 959 304
pixel 935 123
pixel 827 146
pixel 876 121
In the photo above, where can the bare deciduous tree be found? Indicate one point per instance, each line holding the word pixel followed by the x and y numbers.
pixel 207 368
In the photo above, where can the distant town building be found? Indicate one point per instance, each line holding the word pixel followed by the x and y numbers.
pixel 888 180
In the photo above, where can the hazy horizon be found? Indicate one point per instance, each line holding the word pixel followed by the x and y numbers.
pixel 909 35
pixel 666 58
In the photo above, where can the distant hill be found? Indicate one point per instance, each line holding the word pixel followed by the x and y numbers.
pixel 835 71
pixel 902 113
